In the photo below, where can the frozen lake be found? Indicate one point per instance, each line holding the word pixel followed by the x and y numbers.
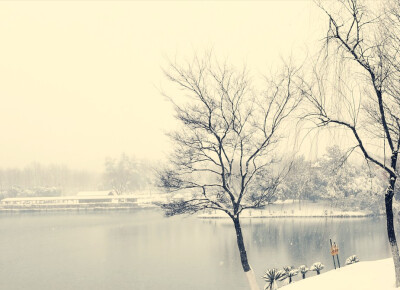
pixel 143 250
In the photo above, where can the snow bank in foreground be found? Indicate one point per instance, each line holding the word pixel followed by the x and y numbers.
pixel 373 275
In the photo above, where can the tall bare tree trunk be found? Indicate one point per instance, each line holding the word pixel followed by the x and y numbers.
pixel 251 278
pixel 390 228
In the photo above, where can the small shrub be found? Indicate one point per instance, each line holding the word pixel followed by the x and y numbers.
pixel 303 270
pixel 352 260
pixel 317 267
pixel 290 272
pixel 271 276
pixel 287 269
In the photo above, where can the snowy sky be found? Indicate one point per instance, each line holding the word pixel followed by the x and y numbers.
pixel 80 80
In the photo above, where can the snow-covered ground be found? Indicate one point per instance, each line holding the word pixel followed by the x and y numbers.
pixel 372 275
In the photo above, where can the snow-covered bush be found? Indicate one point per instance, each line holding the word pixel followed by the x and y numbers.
pixel 290 272
pixel 317 267
pixel 287 268
pixel 271 276
pixel 352 259
pixel 303 270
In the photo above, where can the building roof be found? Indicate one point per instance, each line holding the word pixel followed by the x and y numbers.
pixel 96 193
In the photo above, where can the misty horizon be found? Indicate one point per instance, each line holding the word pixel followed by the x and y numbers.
pixel 80 89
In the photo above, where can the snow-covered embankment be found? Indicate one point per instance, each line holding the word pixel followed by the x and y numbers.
pixel 371 275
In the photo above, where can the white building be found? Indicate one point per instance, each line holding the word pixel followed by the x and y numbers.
pixel 85 197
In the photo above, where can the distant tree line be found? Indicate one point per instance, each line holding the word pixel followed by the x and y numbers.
pixel 125 175
pixel 44 180
pixel 330 178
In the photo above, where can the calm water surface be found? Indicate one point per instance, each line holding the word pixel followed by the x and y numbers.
pixel 143 250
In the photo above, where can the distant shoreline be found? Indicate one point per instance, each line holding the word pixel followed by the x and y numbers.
pixel 293 216
pixel 75 208
pixel 294 209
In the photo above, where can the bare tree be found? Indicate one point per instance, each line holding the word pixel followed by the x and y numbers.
pixel 362 94
pixel 224 151
pixel 123 175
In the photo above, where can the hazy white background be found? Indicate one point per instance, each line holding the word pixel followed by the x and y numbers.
pixel 80 80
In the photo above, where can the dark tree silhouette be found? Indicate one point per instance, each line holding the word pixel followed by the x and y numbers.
pixel 363 47
pixel 224 151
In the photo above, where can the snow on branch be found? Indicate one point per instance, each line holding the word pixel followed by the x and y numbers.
pixel 225 148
